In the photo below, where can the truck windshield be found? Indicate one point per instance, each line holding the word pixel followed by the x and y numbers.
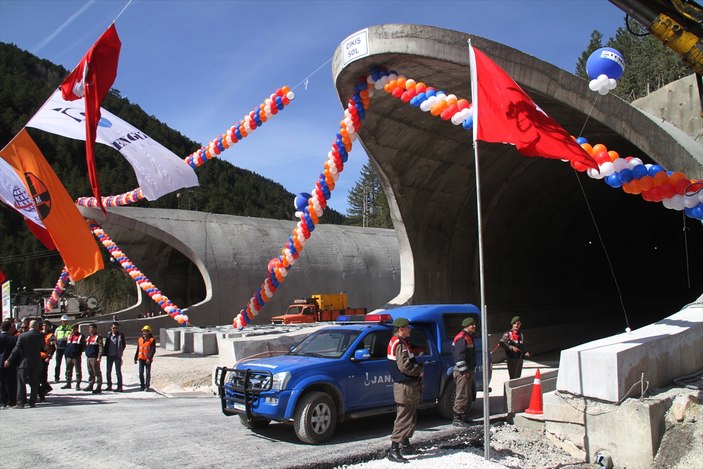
pixel 326 343
pixel 293 310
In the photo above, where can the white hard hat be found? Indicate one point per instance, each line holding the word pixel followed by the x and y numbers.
pixel 65 318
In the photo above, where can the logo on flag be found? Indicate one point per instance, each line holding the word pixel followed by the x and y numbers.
pixel 159 171
pixel 40 195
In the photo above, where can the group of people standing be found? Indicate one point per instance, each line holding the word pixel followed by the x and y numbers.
pixel 407 374
pixel 25 355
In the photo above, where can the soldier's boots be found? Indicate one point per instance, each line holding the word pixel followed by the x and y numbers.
pixel 394 454
pixel 459 421
pixel 406 447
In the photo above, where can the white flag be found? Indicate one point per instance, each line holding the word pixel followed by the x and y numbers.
pixel 14 193
pixel 159 170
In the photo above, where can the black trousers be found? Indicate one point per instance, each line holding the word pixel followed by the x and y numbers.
pixel 8 386
pixel 28 376
pixel 59 358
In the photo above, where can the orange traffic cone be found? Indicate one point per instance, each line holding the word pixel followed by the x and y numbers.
pixel 536 397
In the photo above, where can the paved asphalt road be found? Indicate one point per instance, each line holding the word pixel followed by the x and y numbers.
pixel 138 429
pixel 71 430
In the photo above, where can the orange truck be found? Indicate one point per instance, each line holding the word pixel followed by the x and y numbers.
pixel 316 308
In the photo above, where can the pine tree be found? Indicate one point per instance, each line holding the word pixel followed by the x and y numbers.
pixel 368 205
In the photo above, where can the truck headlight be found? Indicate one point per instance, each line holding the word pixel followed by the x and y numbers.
pixel 280 381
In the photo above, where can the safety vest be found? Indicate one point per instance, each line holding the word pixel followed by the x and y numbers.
pixel 62 333
pixel 47 342
pixel 92 346
pixel 144 351
pixel 391 355
pixel 464 356
pixel 74 346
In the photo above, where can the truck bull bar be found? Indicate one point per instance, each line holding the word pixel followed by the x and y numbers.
pixel 247 383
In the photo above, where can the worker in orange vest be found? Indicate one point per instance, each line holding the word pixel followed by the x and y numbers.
pixel 146 348
pixel 50 344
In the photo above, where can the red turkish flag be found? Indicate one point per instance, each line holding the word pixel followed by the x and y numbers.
pixel 91 80
pixel 504 113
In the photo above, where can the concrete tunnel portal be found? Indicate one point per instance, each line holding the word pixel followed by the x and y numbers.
pixel 542 250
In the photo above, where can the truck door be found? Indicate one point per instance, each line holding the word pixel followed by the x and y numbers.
pixel 426 354
pixel 369 382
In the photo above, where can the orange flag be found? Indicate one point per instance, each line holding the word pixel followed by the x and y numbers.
pixel 55 207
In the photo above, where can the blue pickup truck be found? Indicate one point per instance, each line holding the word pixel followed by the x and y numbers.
pixel 341 372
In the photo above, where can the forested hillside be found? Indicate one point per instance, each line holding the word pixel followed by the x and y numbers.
pixel 25 83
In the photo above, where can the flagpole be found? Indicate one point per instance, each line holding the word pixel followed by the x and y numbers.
pixel 484 320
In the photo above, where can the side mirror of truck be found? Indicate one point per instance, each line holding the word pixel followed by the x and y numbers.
pixel 361 355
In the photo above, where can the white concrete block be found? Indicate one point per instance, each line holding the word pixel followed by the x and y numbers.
pixel 610 368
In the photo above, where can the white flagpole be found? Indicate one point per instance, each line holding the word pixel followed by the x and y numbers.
pixel 484 322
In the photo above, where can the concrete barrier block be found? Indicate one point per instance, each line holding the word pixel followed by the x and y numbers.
pixel 609 368
pixel 171 338
pixel 205 343
pixel 187 339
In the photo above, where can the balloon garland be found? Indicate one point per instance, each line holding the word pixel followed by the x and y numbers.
pixel 309 214
pixel 276 102
pixel 673 189
pixel 59 289
pixel 142 281
pixel 655 184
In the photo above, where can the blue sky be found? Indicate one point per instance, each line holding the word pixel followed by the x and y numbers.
pixel 199 66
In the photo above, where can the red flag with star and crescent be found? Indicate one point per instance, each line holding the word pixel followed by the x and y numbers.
pixel 92 80
pixel 504 113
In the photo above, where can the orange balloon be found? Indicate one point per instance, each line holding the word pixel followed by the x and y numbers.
pixel 646 183
pixel 588 148
pixel 676 177
pixel 661 178
pixel 599 147
pixel 613 155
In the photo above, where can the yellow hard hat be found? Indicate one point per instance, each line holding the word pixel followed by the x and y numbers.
pixel 146 328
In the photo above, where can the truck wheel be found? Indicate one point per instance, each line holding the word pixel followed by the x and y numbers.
pixel 445 406
pixel 254 424
pixel 315 418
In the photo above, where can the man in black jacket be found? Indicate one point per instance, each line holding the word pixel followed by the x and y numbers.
pixel 27 352
pixel 8 376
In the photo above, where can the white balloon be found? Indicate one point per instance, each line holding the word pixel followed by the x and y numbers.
pixel 603 91
pixel 677 202
pixel 290 95
pixel 634 162
pixel 612 83
pixel 369 80
pixel 593 85
pixel 426 105
pixel 667 203
pixel 606 169
pixel 593 174
pixel 620 164
pixel 690 201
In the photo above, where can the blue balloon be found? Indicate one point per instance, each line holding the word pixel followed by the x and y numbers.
pixel 639 171
pixel 301 201
pixel 654 169
pixel 626 175
pixel 468 123
pixel 605 61
pixel 581 140
pixel 613 180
